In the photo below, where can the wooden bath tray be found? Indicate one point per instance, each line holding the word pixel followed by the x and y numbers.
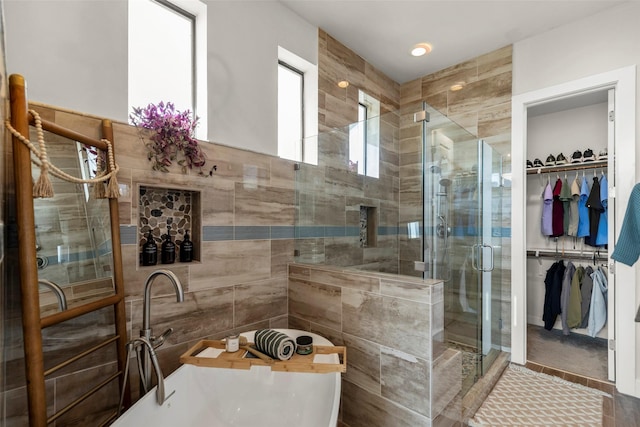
pixel 239 359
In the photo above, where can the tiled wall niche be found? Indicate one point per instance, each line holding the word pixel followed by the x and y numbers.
pixel 368 227
pixel 176 210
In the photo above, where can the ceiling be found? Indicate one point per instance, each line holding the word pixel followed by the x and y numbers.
pixel 383 32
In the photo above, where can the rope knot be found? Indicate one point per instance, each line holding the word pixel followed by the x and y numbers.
pixel 44 187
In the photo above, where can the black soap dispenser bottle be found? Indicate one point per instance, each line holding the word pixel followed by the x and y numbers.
pixel 168 249
pixel 186 249
pixel 149 251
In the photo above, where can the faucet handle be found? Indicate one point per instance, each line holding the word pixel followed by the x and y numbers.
pixel 158 341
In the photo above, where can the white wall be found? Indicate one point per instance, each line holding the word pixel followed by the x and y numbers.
pixel 594 49
pixel 597 44
pixel 243 68
pixel 73 54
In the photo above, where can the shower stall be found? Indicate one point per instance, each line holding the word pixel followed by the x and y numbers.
pixel 462 237
pixel 432 209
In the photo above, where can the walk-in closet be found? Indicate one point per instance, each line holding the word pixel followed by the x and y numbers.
pixel 567 235
pixel 589 114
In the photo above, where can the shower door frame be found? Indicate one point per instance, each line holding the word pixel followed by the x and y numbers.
pixel 483 250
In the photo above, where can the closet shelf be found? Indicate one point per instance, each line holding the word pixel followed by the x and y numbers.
pixel 598 164
pixel 594 255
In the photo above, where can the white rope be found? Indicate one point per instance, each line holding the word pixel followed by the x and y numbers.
pixel 42 159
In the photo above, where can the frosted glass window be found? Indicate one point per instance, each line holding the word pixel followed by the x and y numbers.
pixel 364 138
pixel 161 55
pixel 358 141
pixel 290 112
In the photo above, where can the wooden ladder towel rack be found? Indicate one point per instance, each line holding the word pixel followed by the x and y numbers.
pixel 32 323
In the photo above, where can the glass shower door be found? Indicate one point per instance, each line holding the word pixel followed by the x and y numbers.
pixel 489 255
pixel 462 213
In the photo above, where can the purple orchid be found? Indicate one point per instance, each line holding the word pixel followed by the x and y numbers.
pixel 172 139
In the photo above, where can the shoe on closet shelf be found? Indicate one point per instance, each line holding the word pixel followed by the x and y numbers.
pixel 551 161
pixel 537 163
pixel 561 159
pixel 529 164
pixel 603 155
pixel 576 157
pixel 588 156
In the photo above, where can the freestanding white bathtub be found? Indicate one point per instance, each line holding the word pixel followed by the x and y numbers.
pixel 219 397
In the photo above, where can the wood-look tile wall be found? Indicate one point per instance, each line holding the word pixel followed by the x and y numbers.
pixel 239 282
pixel 246 243
pixel 330 195
pixel 483 108
pixel 399 371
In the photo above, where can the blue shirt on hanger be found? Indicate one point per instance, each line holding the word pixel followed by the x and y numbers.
pixel 602 238
pixel 583 210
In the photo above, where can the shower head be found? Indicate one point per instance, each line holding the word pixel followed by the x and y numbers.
pixel 445 182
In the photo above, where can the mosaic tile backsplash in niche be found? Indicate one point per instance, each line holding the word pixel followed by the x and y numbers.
pixel 162 207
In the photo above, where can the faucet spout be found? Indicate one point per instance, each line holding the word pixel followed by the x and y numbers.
pixel 177 285
pixel 62 299
pixel 145 332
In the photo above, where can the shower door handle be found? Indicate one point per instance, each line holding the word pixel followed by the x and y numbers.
pixel 484 245
pixel 474 257
pixel 476 250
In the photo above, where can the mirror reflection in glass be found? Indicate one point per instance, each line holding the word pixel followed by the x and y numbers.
pixel 73 231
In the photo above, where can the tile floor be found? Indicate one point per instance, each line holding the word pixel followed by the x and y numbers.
pixel 618 411
pixel 586 368
pixel 547 352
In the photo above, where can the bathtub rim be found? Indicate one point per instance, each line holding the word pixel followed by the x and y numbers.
pixel 293 333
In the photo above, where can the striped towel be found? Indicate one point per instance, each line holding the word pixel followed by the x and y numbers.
pixel 274 344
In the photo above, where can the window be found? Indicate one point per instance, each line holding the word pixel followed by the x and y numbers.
pixel 180 77
pixel 358 141
pixel 290 112
pixel 364 138
pixel 297 108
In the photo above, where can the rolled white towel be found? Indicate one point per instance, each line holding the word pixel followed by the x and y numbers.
pixel 275 344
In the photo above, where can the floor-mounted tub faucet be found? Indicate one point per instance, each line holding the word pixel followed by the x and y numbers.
pixel 147 347
pixel 145 332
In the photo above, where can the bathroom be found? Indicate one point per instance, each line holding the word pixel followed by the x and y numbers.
pixel 250 189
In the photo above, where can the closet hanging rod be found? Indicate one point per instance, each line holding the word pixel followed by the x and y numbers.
pixel 598 164
pixel 592 256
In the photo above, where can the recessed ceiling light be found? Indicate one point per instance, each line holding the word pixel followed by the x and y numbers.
pixel 343 84
pixel 421 49
pixel 457 86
